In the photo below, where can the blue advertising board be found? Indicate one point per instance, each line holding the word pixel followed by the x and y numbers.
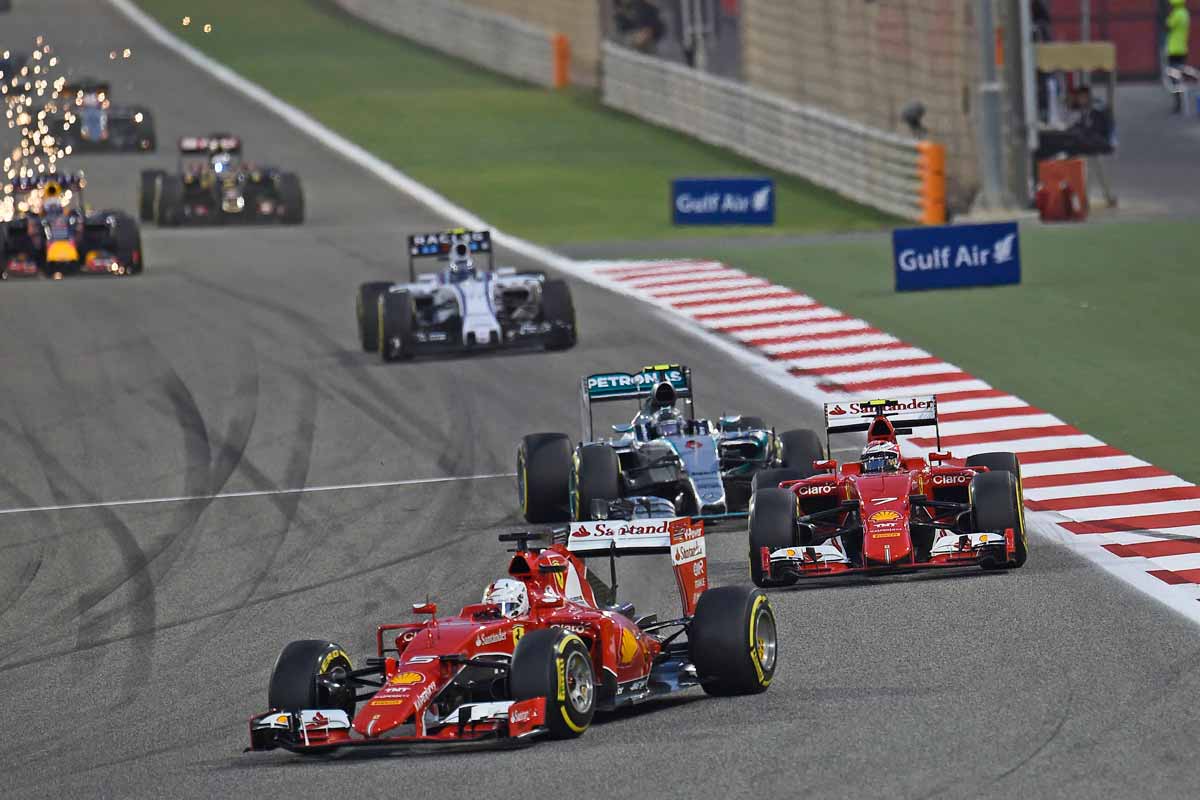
pixel 723 201
pixel 944 256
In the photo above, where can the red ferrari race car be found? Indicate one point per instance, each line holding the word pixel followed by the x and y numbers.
pixel 886 513
pixel 539 656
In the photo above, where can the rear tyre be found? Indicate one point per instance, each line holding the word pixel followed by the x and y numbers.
pixel 773 526
pixel 395 326
pixel 127 239
pixel 168 203
pixel 995 506
pixel 291 195
pixel 800 449
pixel 555 664
pixel 295 683
pixel 597 477
pixel 733 641
pixel 366 311
pixel 544 477
pixel 559 310
pixel 771 478
pixel 147 192
pixel 997 462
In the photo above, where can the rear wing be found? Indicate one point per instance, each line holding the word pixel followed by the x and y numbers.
pixel 681 537
pixel 904 414
pixel 64 180
pixel 607 386
pixel 213 143
pixel 438 245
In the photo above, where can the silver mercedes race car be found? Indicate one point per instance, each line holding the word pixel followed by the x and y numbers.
pixel 463 308
pixel 700 468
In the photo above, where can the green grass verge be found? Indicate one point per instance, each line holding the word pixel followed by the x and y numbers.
pixel 551 166
pixel 1103 331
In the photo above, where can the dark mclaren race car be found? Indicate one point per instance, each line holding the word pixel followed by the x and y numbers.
pixel 89 121
pixel 213 186
pixel 50 232
pixel 887 513
pixel 540 659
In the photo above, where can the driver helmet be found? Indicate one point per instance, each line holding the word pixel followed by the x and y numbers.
pixel 880 457
pixel 669 421
pixel 511 595
pixel 462 266
pixel 52 205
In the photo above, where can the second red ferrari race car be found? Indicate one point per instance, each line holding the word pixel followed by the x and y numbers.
pixel 887 513
pixel 539 655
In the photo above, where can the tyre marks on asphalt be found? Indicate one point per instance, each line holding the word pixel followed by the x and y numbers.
pixel 1121 511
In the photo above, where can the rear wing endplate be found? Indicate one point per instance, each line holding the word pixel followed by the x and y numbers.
pixel 681 537
pixel 904 413
pixel 607 386
pixel 437 245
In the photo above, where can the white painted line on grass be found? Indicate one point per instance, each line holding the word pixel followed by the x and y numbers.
pixel 192 498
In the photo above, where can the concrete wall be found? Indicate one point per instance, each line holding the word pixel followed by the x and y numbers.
pixel 867 60
pixel 580 20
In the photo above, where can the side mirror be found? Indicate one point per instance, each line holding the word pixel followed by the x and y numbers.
pixel 425 608
pixel 548 600
pixel 622 428
pixel 828 465
pixel 938 458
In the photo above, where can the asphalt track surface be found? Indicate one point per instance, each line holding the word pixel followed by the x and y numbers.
pixel 136 640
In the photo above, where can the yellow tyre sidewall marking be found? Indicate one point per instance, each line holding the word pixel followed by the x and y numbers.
pixel 759 602
pixel 561 671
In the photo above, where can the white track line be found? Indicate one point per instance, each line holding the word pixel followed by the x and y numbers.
pixel 191 498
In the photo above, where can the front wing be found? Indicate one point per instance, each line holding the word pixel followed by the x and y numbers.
pixel 827 560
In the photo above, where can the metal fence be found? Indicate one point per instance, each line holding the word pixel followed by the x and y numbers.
pixel 495 41
pixel 893 173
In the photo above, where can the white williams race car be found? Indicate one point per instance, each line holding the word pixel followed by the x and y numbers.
pixel 463 308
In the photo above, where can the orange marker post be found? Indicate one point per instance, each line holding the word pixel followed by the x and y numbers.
pixel 561 47
pixel 931 164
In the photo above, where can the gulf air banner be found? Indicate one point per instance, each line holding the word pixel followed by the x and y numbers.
pixel 946 256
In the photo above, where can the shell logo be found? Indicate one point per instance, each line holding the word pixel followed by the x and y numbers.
pixel 406 678
pixel 629 646
pixel 884 516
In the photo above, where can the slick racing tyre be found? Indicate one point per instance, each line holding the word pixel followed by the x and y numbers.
pixel 996 505
pixel 800 449
pixel 147 193
pixel 168 201
pixel 555 664
pixel 544 477
pixel 733 641
pixel 597 477
pixel 127 242
pixel 773 526
pixel 305 677
pixel 558 309
pixel 291 196
pixel 366 311
pixel 395 326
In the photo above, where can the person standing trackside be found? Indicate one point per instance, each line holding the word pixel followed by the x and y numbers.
pixel 1179 23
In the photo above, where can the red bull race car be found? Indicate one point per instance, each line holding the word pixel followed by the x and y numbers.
pixel 887 513
pixel 538 657
pixel 49 231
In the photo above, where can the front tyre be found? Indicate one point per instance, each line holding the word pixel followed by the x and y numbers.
pixel 395 326
pixel 366 311
pixel 773 526
pixel 310 674
pixel 733 641
pixel 995 506
pixel 291 197
pixel 555 664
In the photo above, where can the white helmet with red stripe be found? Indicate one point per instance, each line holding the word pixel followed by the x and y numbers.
pixel 881 456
